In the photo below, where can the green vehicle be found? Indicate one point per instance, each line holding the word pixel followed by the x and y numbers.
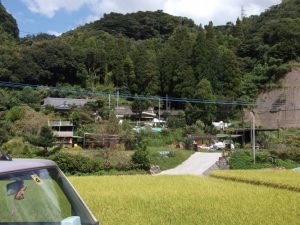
pixel 37 192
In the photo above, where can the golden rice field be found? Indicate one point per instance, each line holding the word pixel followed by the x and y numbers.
pixel 286 179
pixel 185 200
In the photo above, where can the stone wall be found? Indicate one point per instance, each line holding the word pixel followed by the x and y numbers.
pixel 280 108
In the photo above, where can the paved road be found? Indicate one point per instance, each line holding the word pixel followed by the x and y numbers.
pixel 197 164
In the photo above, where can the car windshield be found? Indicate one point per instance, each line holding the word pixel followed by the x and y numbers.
pixel 42 196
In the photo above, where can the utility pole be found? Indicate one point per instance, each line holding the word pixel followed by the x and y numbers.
pixel 253 134
pixel 109 101
pixel 166 102
pixel 84 140
pixel 159 109
pixel 118 93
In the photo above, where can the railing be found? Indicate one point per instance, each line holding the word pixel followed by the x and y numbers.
pixel 60 123
pixel 63 133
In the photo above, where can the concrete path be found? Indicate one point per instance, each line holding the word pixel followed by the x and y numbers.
pixel 197 164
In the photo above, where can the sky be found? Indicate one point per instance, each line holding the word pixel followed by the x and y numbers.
pixel 58 16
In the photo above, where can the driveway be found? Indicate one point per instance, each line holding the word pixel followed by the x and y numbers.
pixel 197 164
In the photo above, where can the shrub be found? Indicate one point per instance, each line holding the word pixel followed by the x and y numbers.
pixel 73 164
pixel 288 153
pixel 76 148
pixel 14 114
pixel 244 160
pixel 263 156
pixel 141 158
pixel 14 146
pixel 125 166
pixel 129 140
pixel 188 143
pixel 17 147
pixel 176 122
pixel 241 160
pixel 288 164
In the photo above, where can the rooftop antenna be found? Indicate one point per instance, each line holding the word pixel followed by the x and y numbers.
pixel 243 12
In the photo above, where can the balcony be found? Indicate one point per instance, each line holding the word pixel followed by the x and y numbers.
pixel 63 134
pixel 60 123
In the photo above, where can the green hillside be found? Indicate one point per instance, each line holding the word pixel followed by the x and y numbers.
pixel 141 25
pixel 8 24
pixel 153 53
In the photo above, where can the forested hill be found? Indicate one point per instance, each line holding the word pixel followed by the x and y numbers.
pixel 141 25
pixel 153 53
pixel 8 24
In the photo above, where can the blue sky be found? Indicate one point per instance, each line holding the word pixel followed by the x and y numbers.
pixel 31 23
pixel 58 16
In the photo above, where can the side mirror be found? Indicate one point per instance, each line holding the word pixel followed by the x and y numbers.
pixel 73 220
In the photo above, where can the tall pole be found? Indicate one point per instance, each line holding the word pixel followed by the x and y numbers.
pixel 109 101
pixel 166 102
pixel 84 140
pixel 253 135
pixel 159 108
pixel 118 93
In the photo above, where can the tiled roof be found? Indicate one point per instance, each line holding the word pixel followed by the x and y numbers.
pixel 65 103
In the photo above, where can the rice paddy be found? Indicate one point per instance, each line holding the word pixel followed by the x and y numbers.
pixel 186 200
pixel 285 179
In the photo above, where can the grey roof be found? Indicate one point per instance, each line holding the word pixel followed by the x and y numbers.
pixel 125 110
pixel 24 164
pixel 171 112
pixel 65 103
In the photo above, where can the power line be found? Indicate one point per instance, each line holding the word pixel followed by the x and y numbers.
pixel 127 96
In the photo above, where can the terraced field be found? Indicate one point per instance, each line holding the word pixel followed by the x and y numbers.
pixel 285 179
pixel 185 200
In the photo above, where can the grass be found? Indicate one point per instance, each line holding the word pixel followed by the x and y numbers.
pixel 176 157
pixel 285 179
pixel 116 158
pixel 185 200
pixel 113 156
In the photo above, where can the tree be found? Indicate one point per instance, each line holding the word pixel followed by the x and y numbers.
pixel 95 65
pixel 200 54
pixel 30 122
pixel 45 138
pixel 230 83
pixel 48 62
pixel 212 61
pixel 238 30
pixel 140 105
pixel 175 61
pixel 146 70
pixel 185 88
pixel 8 22
pixel 141 157
pixel 130 75
pixel 204 112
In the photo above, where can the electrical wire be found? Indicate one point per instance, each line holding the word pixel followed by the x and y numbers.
pixel 127 96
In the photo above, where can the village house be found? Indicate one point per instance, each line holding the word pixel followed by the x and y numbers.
pixel 65 104
pixel 63 132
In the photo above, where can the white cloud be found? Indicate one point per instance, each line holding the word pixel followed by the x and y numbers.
pixel 53 32
pixel 201 11
pixel 220 12
pixel 50 7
